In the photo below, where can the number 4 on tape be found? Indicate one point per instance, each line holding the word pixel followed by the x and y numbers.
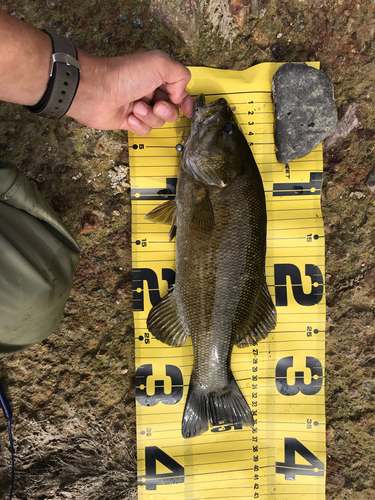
pixel 152 478
pixel 290 468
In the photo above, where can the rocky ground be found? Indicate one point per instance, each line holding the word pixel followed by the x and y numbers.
pixel 73 394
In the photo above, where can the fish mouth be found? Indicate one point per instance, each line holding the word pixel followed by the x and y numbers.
pixel 200 101
pixel 204 113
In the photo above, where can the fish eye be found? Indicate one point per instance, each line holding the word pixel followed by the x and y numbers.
pixel 229 127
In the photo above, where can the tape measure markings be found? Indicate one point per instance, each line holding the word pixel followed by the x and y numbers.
pixel 259 481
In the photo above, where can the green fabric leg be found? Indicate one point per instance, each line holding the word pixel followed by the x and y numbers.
pixel 38 258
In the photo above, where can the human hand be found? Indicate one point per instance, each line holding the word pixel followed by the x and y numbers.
pixel 134 92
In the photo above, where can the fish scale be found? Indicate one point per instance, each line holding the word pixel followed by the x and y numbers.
pixel 206 266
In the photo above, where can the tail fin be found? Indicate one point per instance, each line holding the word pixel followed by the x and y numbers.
pixel 227 406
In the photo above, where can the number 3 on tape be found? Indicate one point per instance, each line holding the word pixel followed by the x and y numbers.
pixel 314 387
pixel 177 386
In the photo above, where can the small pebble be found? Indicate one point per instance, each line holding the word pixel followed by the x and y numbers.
pixel 137 23
pixel 357 195
pixel 370 181
pixel 76 177
pixel 346 125
pixel 119 178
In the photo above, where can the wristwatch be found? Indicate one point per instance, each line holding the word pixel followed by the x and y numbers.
pixel 63 81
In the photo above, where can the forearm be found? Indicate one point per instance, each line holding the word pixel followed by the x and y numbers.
pixel 135 92
pixel 25 61
pixel 92 91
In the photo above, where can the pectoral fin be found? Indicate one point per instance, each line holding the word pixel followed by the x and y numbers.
pixel 166 213
pixel 202 216
pixel 261 321
pixel 165 323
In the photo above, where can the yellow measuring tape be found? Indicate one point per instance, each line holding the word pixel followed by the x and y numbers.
pixel 283 456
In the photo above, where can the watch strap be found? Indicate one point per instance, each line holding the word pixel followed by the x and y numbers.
pixel 63 82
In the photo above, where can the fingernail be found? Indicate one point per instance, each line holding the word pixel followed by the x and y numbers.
pixel 133 121
pixel 162 110
pixel 140 109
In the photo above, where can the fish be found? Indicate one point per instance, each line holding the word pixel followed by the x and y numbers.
pixel 220 295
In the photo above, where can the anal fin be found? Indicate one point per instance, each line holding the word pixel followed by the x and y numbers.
pixel 165 323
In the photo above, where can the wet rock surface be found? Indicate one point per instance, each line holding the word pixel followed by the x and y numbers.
pixel 305 110
pixel 74 392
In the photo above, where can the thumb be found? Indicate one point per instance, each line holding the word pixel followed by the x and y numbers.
pixel 179 95
pixel 175 77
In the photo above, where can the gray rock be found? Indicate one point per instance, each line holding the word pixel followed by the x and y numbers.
pixel 305 111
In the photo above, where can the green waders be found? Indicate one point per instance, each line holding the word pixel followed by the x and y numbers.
pixel 38 258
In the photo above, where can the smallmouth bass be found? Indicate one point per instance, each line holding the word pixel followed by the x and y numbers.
pixel 220 296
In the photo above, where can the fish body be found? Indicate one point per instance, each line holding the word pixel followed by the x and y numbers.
pixel 220 296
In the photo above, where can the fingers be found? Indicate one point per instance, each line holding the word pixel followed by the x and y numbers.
pixel 146 117
pixel 175 77
pixel 187 104
pixel 166 111
pixel 136 126
pixel 162 107
pixel 144 112
pixel 161 92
